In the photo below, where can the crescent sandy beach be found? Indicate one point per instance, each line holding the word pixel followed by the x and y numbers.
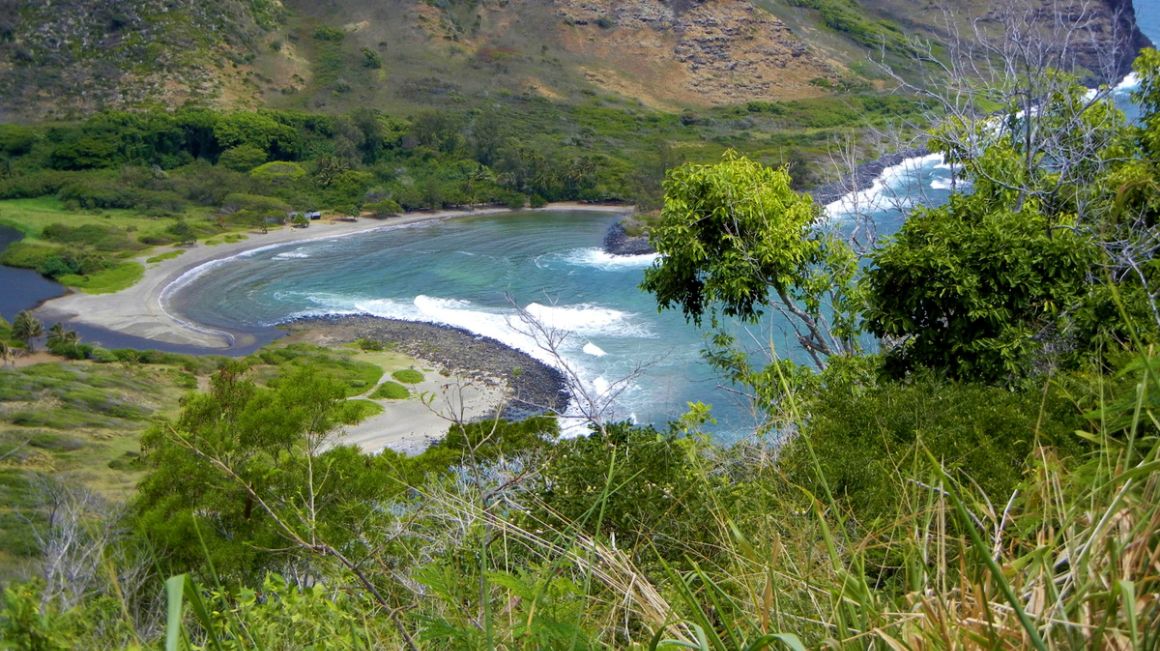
pixel 141 310
pixel 455 390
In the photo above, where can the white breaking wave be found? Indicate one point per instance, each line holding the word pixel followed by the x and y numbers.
pixel 594 350
pixel 879 195
pixel 1127 84
pixel 600 259
pixel 296 254
pixel 601 385
pixel 586 319
pixel 875 197
pixel 504 326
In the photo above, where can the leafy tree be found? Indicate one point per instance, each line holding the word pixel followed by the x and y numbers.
pixel 1001 279
pixel 279 174
pixel 438 130
pixel 26 328
pixel 735 238
pixel 973 288
pixel 1129 234
pixel 63 341
pixel 255 129
pixel 243 468
pixel 182 232
pixel 243 158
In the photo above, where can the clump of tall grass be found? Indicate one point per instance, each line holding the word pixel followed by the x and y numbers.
pixel 1071 559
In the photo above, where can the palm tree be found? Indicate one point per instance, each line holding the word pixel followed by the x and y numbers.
pixel 59 338
pixel 55 334
pixel 26 328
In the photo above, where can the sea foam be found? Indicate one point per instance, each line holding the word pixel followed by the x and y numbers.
pixel 879 195
pixel 504 326
pixel 598 258
pixel 593 350
pixel 296 254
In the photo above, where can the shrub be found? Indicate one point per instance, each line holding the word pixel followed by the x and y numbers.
pixel 242 158
pixel 279 173
pixel 514 200
pixel 863 437
pixel 17 140
pixel 384 208
pixel 371 59
pixel 408 376
pixel 102 238
pixel 37 184
pixel 490 440
pixel 369 344
pixel 258 203
pixel 391 391
pixel 327 33
pixel 95 193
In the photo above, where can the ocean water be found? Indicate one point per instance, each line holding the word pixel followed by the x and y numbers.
pixel 480 273
pixel 474 273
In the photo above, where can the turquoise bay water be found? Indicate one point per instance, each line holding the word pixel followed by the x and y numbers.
pixel 468 273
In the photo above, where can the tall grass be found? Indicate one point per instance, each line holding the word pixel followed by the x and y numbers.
pixel 478 559
pixel 1071 560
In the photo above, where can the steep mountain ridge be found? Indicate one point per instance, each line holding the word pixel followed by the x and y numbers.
pixel 64 58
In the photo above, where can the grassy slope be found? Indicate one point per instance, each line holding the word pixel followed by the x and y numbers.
pixel 72 422
pixel 79 423
pixel 31 216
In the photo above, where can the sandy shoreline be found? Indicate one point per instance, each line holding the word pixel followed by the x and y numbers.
pixel 140 310
pixel 474 376
pixel 466 378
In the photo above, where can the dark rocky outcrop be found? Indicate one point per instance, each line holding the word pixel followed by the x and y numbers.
pixel 536 386
pixel 617 241
pixel 863 178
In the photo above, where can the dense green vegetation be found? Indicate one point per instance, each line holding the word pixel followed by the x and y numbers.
pixel 986 477
pixel 90 195
pixel 161 162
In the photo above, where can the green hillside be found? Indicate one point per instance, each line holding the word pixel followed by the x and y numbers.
pixel 72 58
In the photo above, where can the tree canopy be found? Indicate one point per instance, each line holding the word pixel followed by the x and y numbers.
pixel 735 239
